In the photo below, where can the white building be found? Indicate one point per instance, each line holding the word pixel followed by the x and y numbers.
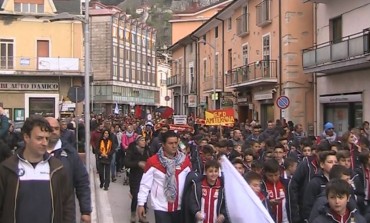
pixel 340 63
pixel 163 72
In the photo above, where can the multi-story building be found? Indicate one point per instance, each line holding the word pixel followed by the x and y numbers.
pixel 340 63
pixel 184 80
pixel 123 61
pixel 39 60
pixel 249 54
pixel 163 72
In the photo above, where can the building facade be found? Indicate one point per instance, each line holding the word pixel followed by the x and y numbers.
pixel 184 82
pixel 249 55
pixel 164 72
pixel 40 60
pixel 340 63
pixel 123 61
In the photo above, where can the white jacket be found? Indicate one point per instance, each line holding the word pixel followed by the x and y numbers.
pixel 153 182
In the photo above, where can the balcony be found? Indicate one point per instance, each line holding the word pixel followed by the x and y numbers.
pixel 317 1
pixel 174 81
pixel 263 11
pixel 40 66
pixel 242 25
pixel 254 74
pixel 351 53
pixel 210 85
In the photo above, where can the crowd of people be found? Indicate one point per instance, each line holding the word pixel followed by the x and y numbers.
pixel 298 178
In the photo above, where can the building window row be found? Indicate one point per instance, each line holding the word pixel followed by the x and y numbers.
pixel 29 7
pixel 6 54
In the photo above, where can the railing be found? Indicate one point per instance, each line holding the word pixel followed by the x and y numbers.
pixel 173 80
pixel 259 70
pixel 263 11
pixel 242 25
pixel 24 63
pixel 349 47
pixel 6 62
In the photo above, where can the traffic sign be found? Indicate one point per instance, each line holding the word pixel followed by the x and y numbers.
pixel 180 119
pixel 283 102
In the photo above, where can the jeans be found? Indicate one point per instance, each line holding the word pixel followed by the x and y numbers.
pixel 104 174
pixel 113 166
pixel 167 217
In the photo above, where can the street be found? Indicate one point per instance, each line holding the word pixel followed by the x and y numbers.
pixel 113 206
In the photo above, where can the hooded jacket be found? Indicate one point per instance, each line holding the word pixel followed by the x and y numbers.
pixel 313 190
pixel 306 169
pixel 62 196
pixel 327 217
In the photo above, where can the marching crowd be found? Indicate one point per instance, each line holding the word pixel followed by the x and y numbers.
pixel 298 178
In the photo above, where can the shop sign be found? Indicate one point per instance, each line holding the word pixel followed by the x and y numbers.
pixel 19 86
pixel 180 119
pixel 341 98
pixel 263 96
pixel 192 101
pixel 220 117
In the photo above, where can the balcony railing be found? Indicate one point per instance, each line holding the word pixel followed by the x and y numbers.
pixel 242 25
pixel 253 74
pixel 212 84
pixel 350 47
pixel 174 81
pixel 263 10
pixel 39 63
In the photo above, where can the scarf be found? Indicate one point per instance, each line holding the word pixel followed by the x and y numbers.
pixel 105 148
pixel 170 184
pixel 130 134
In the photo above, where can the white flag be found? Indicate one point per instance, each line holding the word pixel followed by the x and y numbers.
pixel 243 205
pixel 116 109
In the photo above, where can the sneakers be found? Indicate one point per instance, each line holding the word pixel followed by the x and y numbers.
pixel 105 188
pixel 101 185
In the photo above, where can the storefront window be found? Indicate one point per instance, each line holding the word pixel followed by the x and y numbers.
pixel 344 116
pixel 42 106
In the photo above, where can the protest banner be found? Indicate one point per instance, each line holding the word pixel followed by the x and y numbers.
pixel 222 117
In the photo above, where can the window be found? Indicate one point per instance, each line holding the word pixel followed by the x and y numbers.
pixel 245 54
pixel 266 56
pixel 115 71
pixel 216 32
pixel 229 23
pixel 191 47
pixel 42 48
pixel 336 29
pixel 230 59
pixel 192 80
pixel 266 47
pixel 6 54
pixel 263 13
pixel 205 39
pixel 204 68
pixel 28 7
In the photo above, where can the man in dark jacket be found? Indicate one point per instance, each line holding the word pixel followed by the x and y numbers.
pixel 67 135
pixel 156 143
pixel 38 180
pixel 76 170
pixel 4 123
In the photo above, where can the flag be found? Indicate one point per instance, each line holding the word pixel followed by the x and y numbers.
pixel 116 109
pixel 243 205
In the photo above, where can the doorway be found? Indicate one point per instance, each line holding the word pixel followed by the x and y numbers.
pixel 267 114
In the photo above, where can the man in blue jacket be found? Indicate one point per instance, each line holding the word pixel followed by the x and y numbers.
pixel 75 168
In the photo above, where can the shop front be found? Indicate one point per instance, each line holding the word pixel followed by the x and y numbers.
pixel 264 100
pixel 345 111
pixel 47 96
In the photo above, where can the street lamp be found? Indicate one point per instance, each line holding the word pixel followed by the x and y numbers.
pixel 215 68
pixel 85 22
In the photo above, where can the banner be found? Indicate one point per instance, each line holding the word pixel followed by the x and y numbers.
pixel 240 198
pixel 220 117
